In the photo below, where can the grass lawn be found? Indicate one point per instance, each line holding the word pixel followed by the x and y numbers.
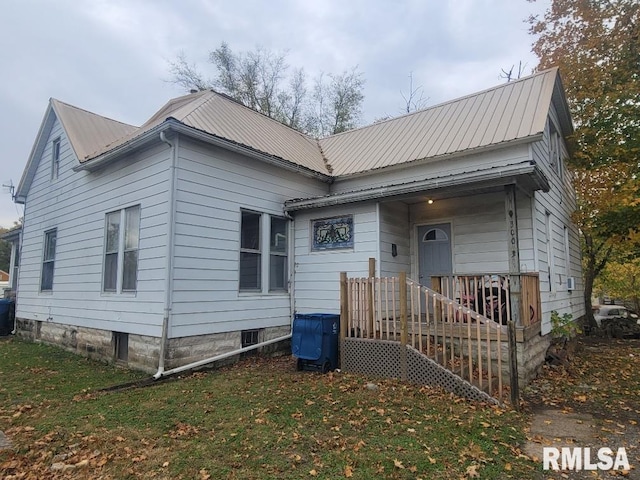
pixel 257 419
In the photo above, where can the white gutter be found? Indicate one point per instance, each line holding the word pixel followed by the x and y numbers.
pixel 449 181
pixel 168 282
pixel 222 356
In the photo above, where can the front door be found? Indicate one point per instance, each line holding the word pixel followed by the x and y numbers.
pixel 434 252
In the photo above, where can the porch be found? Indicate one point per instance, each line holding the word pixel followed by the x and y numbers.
pixel 464 332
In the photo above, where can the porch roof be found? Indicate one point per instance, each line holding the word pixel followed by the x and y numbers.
pixel 527 175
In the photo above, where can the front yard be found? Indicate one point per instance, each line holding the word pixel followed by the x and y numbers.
pixel 262 419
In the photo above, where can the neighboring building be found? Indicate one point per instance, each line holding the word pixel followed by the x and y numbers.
pixel 212 224
pixel 12 236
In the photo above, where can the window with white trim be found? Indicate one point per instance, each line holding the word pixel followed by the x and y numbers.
pixel 48 260
pixel 264 257
pixel 567 252
pixel 55 158
pixel 250 251
pixel 550 260
pixel 122 234
pixel 555 150
pixel 278 260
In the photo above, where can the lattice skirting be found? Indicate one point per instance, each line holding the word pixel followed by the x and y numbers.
pixel 422 370
pixel 379 358
pixel 388 359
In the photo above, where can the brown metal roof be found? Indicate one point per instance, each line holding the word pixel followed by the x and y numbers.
pixel 501 114
pixel 225 118
pixel 218 115
pixel 505 113
pixel 88 132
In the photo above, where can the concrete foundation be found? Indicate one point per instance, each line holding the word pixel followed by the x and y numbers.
pixel 143 351
pixel 531 355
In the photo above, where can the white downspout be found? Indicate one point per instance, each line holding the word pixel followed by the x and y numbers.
pixel 168 282
pixel 222 356
pixel 292 267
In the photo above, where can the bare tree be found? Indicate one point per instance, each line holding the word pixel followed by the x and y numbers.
pixel 187 75
pixel 415 99
pixel 336 103
pixel 292 102
pixel 259 79
pixel 511 75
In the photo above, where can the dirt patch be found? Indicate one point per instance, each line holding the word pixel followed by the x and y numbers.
pixel 593 400
pixel 5 443
pixel 558 428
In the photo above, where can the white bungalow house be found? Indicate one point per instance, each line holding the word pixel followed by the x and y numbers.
pixel 209 226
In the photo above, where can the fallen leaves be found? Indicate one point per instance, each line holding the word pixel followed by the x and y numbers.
pixel 472 471
pixel 184 430
pixel 266 419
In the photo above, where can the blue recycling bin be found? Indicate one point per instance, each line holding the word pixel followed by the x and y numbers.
pixel 314 341
pixel 6 316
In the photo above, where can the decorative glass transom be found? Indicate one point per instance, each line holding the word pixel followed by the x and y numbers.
pixel 435 235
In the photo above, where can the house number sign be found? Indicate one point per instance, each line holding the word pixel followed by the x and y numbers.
pixel 333 233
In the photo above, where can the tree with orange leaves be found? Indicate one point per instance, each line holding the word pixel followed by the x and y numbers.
pixel 596 45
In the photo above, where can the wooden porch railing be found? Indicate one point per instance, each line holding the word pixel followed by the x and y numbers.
pixel 490 295
pixel 461 323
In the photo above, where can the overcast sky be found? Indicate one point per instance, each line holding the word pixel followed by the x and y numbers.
pixel 110 56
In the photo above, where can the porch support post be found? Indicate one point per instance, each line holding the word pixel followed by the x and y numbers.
pixel 436 286
pixel 404 334
pixel 344 315
pixel 371 299
pixel 515 287
pixel 344 305
pixel 404 330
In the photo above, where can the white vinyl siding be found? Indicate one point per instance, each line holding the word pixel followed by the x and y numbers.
pixel 317 274
pixel 433 168
pixel 551 248
pixel 76 204
pixel 394 230
pixel 213 187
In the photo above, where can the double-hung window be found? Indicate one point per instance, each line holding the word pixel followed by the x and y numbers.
pixel 555 150
pixel 55 158
pixel 278 264
pixel 250 251
pixel 48 260
pixel 122 233
pixel 262 233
